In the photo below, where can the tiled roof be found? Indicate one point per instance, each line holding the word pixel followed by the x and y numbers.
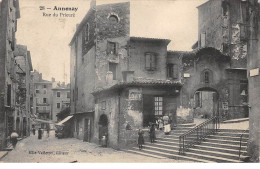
pixel 150 39
pixel 140 82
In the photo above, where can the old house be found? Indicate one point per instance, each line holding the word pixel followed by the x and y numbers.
pixel 60 100
pixel 23 95
pixel 42 100
pixel 227 32
pixel 9 13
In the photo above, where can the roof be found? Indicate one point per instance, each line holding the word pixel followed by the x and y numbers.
pixel 29 60
pixel 141 82
pixel 150 39
pixel 64 120
pixel 60 88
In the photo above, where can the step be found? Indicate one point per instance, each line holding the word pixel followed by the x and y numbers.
pixel 234 131
pixel 228 146
pixel 211 157
pixel 215 153
pixel 222 133
pixel 186 125
pixel 220 149
pixel 243 143
pixel 227 137
pixel 140 152
pixel 174 156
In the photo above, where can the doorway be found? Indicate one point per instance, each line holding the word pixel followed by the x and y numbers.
pixel 103 126
pixel 206 103
pixel 87 130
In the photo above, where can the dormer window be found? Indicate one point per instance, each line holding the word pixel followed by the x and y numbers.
pixel 150 61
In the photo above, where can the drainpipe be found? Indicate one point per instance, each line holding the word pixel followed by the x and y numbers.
pixel 118 132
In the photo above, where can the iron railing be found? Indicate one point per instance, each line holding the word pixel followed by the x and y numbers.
pixel 240 143
pixel 198 134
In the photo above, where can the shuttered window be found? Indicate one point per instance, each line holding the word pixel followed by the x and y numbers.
pixel 150 61
pixel 172 71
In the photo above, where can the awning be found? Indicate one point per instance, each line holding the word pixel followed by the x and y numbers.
pixel 64 120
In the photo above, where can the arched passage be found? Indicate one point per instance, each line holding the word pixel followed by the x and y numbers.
pixel 206 102
pixel 103 126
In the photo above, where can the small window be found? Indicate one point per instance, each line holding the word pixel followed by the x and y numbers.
pixel 58 94
pixel 44 86
pixel 150 61
pixel 37 91
pixel 172 71
pixel 68 94
pixel 206 77
pixel 113 19
pixel 58 105
pixel 44 100
pixel 158 106
pixel 112 48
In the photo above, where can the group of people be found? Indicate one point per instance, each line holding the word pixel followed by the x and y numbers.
pixel 40 131
pixel 161 123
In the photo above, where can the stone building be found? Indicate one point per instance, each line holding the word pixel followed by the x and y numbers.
pixel 223 25
pixel 9 13
pixel 42 100
pixel 23 94
pixel 60 100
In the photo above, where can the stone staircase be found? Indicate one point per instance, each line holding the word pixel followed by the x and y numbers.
pixel 222 147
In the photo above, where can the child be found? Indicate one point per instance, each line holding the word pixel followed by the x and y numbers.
pixel 140 139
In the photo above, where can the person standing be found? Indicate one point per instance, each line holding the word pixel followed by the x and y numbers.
pixel 48 130
pixel 152 133
pixel 14 138
pixel 140 139
pixel 33 129
pixel 39 133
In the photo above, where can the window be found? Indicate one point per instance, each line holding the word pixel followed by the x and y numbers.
pixel 44 100
pixel 68 94
pixel 112 48
pixel 198 97
pixel 58 105
pixel 58 94
pixel 37 91
pixel 158 105
pixel 112 68
pixel 86 33
pixel 44 86
pixel 206 77
pixel 9 92
pixel 150 61
pixel 172 71
pixel 113 19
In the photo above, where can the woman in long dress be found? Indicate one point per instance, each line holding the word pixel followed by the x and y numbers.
pixel 140 139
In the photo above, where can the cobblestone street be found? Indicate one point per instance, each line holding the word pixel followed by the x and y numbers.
pixel 69 150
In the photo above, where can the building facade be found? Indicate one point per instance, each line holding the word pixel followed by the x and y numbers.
pixel 42 100
pixel 60 100
pixel 9 11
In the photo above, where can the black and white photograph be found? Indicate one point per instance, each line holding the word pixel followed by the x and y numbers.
pixel 129 81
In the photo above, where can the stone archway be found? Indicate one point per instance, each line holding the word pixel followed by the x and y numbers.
pixel 206 102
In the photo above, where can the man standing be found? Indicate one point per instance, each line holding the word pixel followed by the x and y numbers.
pixel 39 133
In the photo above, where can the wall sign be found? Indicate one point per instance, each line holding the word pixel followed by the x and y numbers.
pixel 135 94
pixel 186 75
pixel 225 105
pixel 254 72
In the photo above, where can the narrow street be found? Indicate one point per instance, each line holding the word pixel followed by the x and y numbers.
pixel 51 150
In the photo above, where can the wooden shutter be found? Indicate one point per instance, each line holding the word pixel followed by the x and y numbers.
pixel 175 71
pixel 147 61
pixel 153 62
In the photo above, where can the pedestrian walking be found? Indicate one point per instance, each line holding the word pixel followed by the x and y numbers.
pixel 33 129
pixel 14 138
pixel 140 139
pixel 152 133
pixel 39 133
pixel 48 130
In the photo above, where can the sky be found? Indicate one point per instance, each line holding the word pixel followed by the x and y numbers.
pixel 48 37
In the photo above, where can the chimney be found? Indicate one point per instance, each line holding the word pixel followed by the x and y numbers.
pixel 40 77
pixel 93 4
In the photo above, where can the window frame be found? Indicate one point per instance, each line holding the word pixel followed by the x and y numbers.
pixel 158 108
pixel 58 107
pixel 151 66
pixel 58 94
